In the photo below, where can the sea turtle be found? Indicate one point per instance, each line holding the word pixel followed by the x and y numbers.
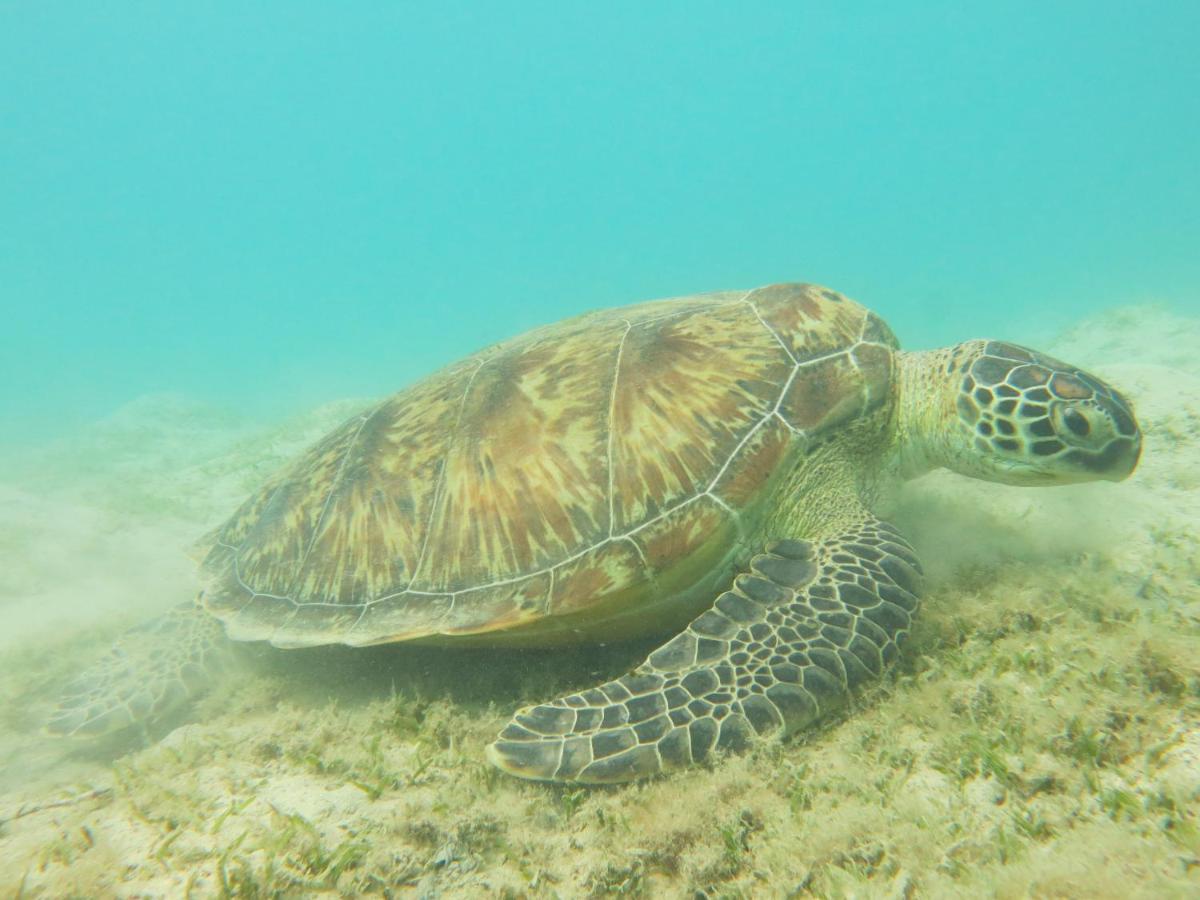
pixel 702 467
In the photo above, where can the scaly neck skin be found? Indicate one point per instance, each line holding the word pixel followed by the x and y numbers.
pixel 811 499
pixel 925 394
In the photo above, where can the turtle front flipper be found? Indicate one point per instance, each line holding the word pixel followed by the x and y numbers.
pixel 151 670
pixel 785 645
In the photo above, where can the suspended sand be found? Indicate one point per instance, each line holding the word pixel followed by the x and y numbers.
pixel 1041 736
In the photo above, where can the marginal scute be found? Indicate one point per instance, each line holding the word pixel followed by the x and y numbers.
pixel 503 605
pixel 602 570
pixel 310 625
pixel 256 621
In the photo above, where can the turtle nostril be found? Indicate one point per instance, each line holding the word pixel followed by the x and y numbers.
pixel 1077 422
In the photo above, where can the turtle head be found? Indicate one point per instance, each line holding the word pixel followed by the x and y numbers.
pixel 1009 414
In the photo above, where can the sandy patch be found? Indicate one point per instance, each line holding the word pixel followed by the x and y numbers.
pixel 1039 737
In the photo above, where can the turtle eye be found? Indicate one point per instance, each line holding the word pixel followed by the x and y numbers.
pixel 1077 422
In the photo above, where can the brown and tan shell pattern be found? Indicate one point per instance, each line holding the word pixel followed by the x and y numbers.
pixel 575 471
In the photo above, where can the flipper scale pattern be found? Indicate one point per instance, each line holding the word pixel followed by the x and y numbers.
pixel 810 622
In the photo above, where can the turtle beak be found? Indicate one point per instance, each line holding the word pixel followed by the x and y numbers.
pixel 1119 459
pixel 1116 459
pixel 1137 455
pixel 1125 455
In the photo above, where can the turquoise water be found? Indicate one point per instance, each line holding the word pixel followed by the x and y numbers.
pixel 217 217
pixel 270 205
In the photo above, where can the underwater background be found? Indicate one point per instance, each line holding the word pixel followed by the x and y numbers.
pixel 273 205
pixel 225 228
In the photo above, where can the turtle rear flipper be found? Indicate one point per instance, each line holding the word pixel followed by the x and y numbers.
pixel 151 670
pixel 810 622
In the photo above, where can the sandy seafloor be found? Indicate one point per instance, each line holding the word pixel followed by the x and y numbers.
pixel 1040 738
